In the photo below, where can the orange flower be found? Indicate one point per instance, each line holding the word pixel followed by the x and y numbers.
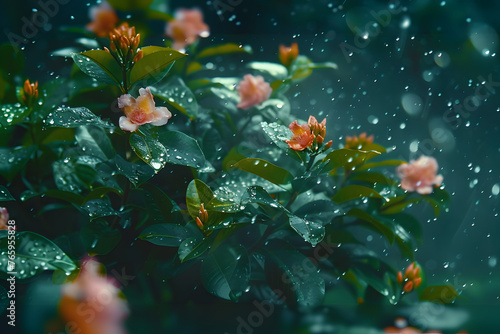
pixel 91 302
pixel 4 218
pixel 302 137
pixel 253 91
pixel 202 217
pixel 103 19
pixel 187 26
pixel 412 277
pixel 141 111
pixel 420 175
pixel 318 129
pixel 30 90
pixel 358 143
pixel 125 42
pixel 288 53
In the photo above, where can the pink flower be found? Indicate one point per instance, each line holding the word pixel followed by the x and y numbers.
pixel 98 296
pixel 4 218
pixel 141 111
pixel 420 175
pixel 187 26
pixel 103 18
pixel 253 91
pixel 302 137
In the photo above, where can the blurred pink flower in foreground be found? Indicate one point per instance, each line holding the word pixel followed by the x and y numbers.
pixel 187 26
pixel 4 218
pixel 91 303
pixel 253 91
pixel 141 111
pixel 420 175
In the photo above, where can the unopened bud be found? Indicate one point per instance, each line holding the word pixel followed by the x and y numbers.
pixel 138 56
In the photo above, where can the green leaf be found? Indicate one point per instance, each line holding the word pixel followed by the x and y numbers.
pixel 293 275
pixel 158 202
pixel 373 223
pixel 377 279
pixel 224 49
pixel 13 160
pixel 197 192
pixel 397 204
pixel 154 65
pixel 312 232
pixel 276 70
pixel 165 234
pixel 94 141
pixel 181 149
pixel 320 211
pixel 72 177
pixel 11 114
pixel 225 272
pixel 99 238
pixel 150 150
pixel 178 95
pixel 98 208
pixel 191 248
pixel 265 169
pixel 33 254
pixel 5 195
pixel 380 164
pixel 374 178
pixel 74 117
pixel 99 65
pixel 351 192
pixel 127 5
pixel 137 173
pixel 278 133
pixel 441 294
pixel 347 158
pixel 439 199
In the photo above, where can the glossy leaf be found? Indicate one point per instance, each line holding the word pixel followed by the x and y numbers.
pixel 277 133
pixel 265 169
pixel 225 272
pixel 136 173
pixel 13 160
pixel 73 117
pixel 11 114
pixel 127 5
pixel 178 95
pixel 94 141
pixel 150 150
pixel 181 149
pixel 311 231
pixel 224 49
pixel 397 204
pixel 99 238
pixel 351 192
pixel 373 223
pixel 158 202
pixel 441 294
pixel 165 234
pixel 154 65
pixel 293 274
pixel 33 254
pixel 346 157
pixel 320 211
pixel 276 70
pixel 5 195
pixel 99 65
pixel 380 164
pixel 191 248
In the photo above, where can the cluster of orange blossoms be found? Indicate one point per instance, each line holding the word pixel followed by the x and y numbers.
pixel 4 218
pixel 202 218
pixel 288 54
pixel 125 43
pixel 310 135
pixel 412 277
pixel 358 143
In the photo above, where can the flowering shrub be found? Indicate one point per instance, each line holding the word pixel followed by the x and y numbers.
pixel 247 197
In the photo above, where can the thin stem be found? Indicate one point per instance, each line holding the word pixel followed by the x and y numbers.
pixel 124 74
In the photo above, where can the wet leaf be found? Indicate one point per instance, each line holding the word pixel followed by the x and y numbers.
pixel 351 192
pixel 99 65
pixel 11 114
pixel 278 133
pixel 380 164
pixel 178 95
pixel 312 232
pixel 276 70
pixel 293 274
pixel 154 65
pixel 181 149
pixel 165 234
pixel 347 158
pixel 265 169
pixel 150 150
pixel 137 173
pixel 99 238
pixel 224 49
pixel 158 203
pixel 191 248
pixel 94 141
pixel 225 272
pixel 127 5
pixel 5 195
pixel 373 223
pixel 33 254
pixel 74 117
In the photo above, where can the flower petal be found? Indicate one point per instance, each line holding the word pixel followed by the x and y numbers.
pixel 126 125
